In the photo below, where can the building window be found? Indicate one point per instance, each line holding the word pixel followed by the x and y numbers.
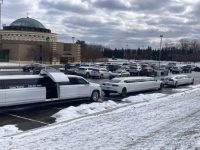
pixel 22 28
pixel 33 29
pixel 12 34
pixel 16 34
pixel 30 35
pixel 20 34
pixel 8 34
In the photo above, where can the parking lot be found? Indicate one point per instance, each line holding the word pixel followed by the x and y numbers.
pixel 32 116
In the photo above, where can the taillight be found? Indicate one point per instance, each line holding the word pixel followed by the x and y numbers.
pixel 39 70
pixel 171 80
pixel 115 85
pixel 162 79
pixel 98 71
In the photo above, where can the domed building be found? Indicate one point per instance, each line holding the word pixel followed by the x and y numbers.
pixel 27 40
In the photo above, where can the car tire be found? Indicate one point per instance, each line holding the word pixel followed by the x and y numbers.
pixel 106 93
pixel 124 92
pixel 192 81
pixel 93 77
pixel 176 85
pixel 24 70
pixel 95 96
pixel 87 75
pixel 161 86
pixel 155 74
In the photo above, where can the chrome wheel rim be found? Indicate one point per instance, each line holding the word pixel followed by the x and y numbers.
pixel 95 96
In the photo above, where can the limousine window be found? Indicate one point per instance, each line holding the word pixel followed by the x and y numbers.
pixel 22 83
pixel 1 85
pixel 114 81
pixel 73 81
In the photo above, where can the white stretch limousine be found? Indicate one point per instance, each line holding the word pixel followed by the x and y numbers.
pixel 177 80
pixel 50 85
pixel 130 84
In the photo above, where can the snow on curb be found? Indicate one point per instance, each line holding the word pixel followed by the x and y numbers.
pixel 8 130
pixel 84 109
pixel 143 97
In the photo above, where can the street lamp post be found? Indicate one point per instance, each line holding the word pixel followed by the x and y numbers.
pixel 0 11
pixel 73 39
pixel 160 49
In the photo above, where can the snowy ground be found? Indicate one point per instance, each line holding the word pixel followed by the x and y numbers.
pixel 169 122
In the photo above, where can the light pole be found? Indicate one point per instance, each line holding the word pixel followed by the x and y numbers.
pixel 160 49
pixel 73 39
pixel 0 11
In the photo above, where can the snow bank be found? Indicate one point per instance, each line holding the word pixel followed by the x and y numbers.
pixel 194 86
pixel 143 97
pixel 84 109
pixel 179 90
pixel 8 130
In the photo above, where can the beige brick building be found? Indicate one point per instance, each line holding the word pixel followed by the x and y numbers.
pixel 25 35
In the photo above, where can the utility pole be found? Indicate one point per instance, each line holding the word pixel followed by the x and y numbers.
pixel 0 12
pixel 73 39
pixel 160 49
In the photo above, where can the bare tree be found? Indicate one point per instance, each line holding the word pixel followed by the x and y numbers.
pixel 33 54
pixel 184 43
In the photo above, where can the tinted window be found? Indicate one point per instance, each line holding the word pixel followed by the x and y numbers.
pixel 22 83
pixel 82 69
pixel 81 81
pixel 1 86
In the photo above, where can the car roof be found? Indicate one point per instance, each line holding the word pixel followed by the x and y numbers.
pixel 9 77
pixel 172 76
pixel 131 78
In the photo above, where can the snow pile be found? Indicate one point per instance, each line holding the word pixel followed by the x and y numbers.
pixel 84 109
pixel 143 98
pixel 194 86
pixel 179 90
pixel 8 130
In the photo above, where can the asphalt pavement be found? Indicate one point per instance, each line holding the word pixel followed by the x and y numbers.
pixel 31 116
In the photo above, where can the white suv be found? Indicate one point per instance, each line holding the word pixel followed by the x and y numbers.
pixel 100 73
pixel 84 71
pixel 135 70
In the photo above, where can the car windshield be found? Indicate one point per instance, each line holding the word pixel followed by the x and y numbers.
pixel 95 69
pixel 29 64
pixel 175 67
pixel 133 67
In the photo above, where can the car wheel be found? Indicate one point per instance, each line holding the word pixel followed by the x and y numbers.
pixel 92 77
pixel 176 85
pixel 106 93
pixel 161 86
pixel 138 73
pixel 155 74
pixel 95 96
pixel 101 76
pixel 87 75
pixel 24 70
pixel 124 92
pixel 192 81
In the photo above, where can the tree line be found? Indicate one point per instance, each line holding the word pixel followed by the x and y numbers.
pixel 185 50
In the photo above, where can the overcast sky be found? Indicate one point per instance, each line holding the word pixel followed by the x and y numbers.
pixel 112 23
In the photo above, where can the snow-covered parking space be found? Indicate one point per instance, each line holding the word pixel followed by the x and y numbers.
pixel 166 122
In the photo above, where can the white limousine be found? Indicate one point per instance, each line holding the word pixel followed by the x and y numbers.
pixel 50 85
pixel 130 84
pixel 177 80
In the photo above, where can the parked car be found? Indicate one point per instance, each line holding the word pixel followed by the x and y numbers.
pixel 72 70
pixel 197 68
pixel 177 69
pixel 126 85
pixel 84 71
pixel 144 66
pixel 177 80
pixel 148 72
pixel 135 70
pixel 164 71
pixel 30 66
pixel 187 69
pixel 192 66
pixel 100 73
pixel 113 67
pixel 119 73
pixel 37 70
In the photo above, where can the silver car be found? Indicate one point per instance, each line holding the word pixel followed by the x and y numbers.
pixel 177 80
pixel 100 73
